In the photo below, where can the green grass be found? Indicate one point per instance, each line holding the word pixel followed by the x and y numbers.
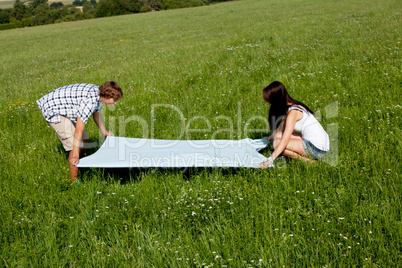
pixel 211 62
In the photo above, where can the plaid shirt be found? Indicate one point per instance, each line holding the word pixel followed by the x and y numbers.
pixel 72 101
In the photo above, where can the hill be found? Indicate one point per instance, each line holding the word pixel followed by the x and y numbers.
pixel 198 73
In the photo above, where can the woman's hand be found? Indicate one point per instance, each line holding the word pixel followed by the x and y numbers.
pixel 266 163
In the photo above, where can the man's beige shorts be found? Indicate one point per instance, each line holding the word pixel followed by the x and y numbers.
pixel 65 131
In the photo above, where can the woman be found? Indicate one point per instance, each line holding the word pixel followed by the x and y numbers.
pixel 286 116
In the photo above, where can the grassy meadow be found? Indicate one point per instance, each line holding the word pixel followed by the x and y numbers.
pixel 203 69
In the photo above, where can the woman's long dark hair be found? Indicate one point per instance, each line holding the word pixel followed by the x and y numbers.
pixel 277 95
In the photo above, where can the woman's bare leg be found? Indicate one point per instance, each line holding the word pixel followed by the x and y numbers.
pixel 294 148
pixel 292 154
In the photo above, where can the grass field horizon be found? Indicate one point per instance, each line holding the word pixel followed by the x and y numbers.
pixel 204 69
pixel 10 3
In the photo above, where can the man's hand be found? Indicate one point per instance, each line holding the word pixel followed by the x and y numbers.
pixel 74 161
pixel 99 121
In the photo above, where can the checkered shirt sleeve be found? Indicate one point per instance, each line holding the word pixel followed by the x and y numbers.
pixel 72 101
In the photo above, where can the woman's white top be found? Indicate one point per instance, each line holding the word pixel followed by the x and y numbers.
pixel 311 129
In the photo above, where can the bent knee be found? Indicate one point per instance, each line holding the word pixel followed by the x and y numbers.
pixel 278 135
pixel 276 143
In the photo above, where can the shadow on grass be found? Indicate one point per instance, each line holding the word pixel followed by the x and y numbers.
pixel 128 175
pixel 88 150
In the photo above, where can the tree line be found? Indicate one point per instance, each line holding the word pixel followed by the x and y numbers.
pixel 39 12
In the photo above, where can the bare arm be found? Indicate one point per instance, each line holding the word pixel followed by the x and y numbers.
pixel 99 122
pixel 291 119
pixel 280 128
pixel 79 128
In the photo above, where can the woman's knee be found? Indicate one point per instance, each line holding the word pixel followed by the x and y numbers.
pixel 278 135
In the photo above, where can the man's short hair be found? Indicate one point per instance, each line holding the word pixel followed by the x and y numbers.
pixel 111 89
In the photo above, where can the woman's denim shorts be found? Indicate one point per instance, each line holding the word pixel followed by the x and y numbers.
pixel 313 151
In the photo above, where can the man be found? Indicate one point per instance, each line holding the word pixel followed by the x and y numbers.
pixel 67 110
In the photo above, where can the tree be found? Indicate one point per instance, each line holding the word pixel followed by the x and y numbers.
pixel 19 11
pixel 116 7
pixel 130 6
pixel 56 5
pixel 35 3
pixel 145 8
pixel 87 7
pixel 170 4
pixel 107 8
pixel 5 15
pixel 79 2
pixel 102 9
pixel 42 15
